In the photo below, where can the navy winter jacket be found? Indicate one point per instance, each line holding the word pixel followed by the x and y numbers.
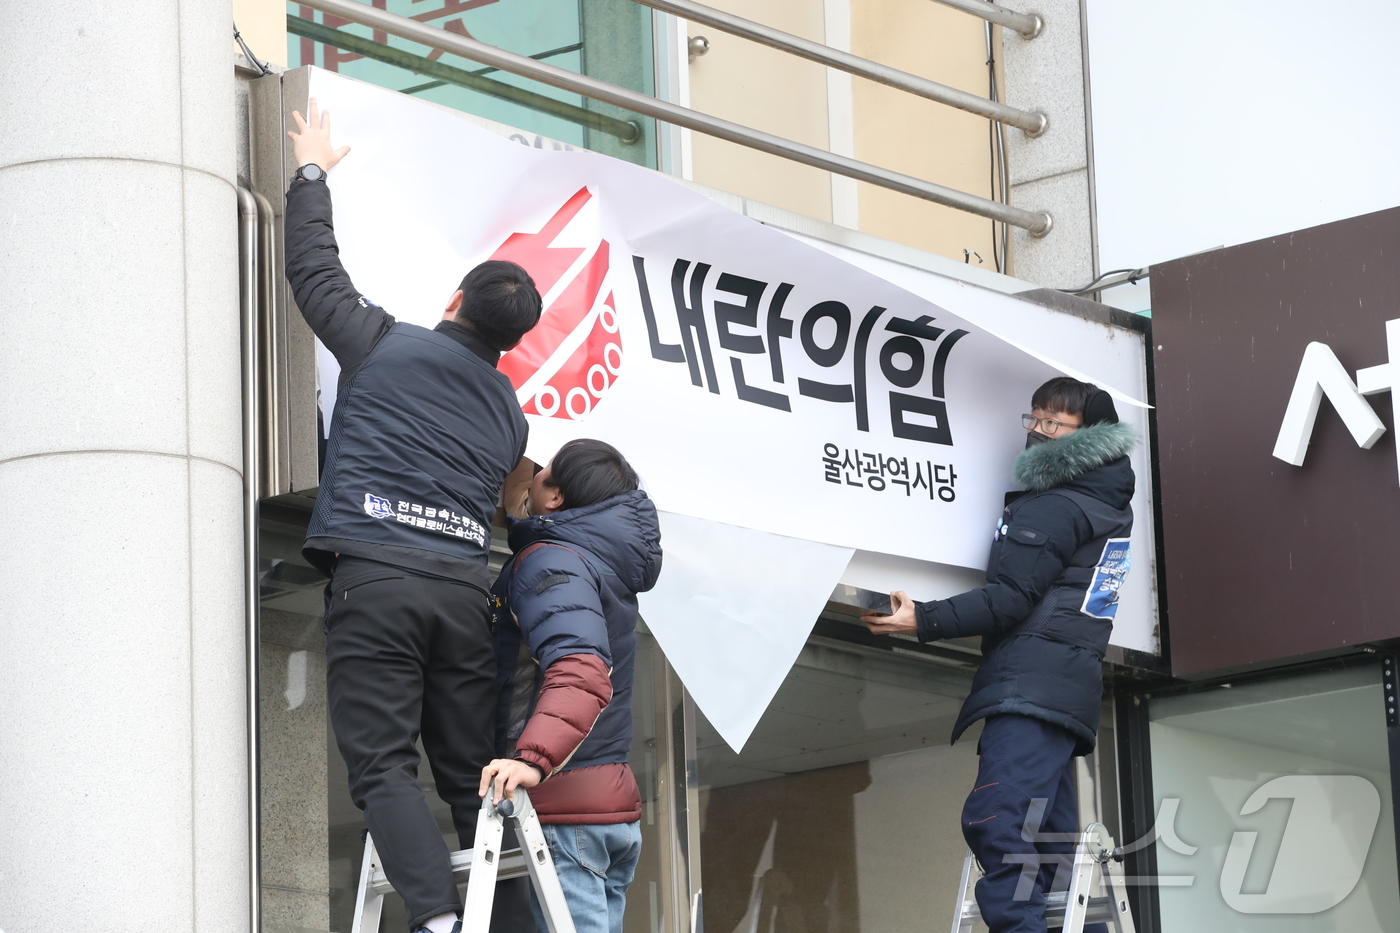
pixel 576 599
pixel 1059 557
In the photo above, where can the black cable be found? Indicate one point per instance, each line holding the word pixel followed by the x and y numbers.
pixel 992 138
pixel 996 141
pixel 1131 280
pixel 248 53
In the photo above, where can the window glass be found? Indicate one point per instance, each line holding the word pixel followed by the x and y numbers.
pixel 841 811
pixel 645 898
pixel 1274 803
pixel 306 848
pixel 607 39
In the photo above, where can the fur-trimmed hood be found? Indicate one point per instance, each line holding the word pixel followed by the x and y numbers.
pixel 1061 461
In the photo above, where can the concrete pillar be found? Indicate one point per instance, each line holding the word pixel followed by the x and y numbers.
pixel 1054 171
pixel 122 723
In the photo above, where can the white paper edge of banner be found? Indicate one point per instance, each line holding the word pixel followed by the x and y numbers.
pixel 1070 371
pixel 967 314
pixel 733 643
pixel 923 580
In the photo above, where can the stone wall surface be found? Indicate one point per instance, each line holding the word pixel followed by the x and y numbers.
pixel 1054 171
pixel 122 708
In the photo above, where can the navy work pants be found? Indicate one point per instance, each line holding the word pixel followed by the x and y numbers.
pixel 1022 821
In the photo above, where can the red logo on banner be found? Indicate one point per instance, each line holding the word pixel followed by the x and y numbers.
pixel 574 354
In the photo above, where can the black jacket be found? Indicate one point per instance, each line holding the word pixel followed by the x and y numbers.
pixel 1059 557
pixel 425 428
pixel 576 599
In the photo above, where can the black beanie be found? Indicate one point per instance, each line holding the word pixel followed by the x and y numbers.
pixel 1099 409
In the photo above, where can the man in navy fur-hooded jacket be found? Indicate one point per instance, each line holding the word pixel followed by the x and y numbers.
pixel 1058 560
pixel 566 617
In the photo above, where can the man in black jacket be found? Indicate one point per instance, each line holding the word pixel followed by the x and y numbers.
pixel 424 433
pixel 1059 558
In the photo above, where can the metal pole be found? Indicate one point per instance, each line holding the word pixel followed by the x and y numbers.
pixel 1028 25
pixel 1038 223
pixel 249 286
pixel 269 352
pixel 1033 123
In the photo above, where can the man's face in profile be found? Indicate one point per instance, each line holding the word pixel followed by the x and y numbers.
pixel 544 497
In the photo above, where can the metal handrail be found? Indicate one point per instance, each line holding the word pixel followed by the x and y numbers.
pixel 1031 122
pixel 1028 25
pixel 1038 223
pixel 250 216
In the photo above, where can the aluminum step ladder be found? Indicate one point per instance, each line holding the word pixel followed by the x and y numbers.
pixel 479 868
pixel 1094 856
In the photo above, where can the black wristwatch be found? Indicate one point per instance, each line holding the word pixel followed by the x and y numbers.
pixel 310 172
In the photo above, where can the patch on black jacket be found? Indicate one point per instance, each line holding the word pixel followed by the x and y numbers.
pixel 554 579
pixel 1029 536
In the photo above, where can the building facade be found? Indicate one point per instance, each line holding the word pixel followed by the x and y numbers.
pixel 163 716
pixel 1281 640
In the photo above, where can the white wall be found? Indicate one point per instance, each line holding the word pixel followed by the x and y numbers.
pixel 1217 123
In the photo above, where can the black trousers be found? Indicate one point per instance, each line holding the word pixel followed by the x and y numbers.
pixel 408 655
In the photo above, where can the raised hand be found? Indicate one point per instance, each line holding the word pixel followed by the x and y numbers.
pixel 312 145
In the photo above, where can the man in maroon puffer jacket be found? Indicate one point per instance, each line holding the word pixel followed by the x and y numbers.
pixel 566 616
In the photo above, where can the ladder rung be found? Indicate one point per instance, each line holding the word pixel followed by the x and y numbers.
pixel 1100 910
pixel 512 866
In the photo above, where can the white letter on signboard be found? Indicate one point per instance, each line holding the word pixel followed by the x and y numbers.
pixel 1383 378
pixel 1320 374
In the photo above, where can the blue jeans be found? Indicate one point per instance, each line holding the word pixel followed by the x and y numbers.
pixel 1021 819
pixel 595 863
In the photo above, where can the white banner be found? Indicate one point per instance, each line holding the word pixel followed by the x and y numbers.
pixel 751 378
pixel 783 406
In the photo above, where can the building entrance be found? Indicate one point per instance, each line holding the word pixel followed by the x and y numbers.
pixel 841 812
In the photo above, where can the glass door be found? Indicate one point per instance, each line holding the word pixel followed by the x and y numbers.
pixel 841 812
pixel 1274 805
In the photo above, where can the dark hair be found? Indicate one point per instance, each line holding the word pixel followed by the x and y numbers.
pixel 586 471
pixel 499 302
pixel 1064 394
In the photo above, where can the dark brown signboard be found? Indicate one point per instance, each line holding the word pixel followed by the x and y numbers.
pixel 1265 561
